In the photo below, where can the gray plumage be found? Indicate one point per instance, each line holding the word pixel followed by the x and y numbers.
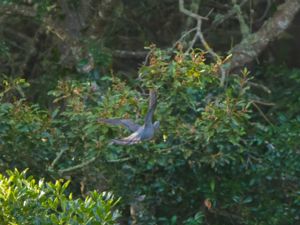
pixel 140 133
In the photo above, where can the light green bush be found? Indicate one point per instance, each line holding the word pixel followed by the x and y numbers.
pixel 25 201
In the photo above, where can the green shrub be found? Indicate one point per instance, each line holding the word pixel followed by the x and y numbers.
pixel 24 200
pixel 215 160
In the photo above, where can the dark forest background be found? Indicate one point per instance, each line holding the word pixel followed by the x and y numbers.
pixel 227 74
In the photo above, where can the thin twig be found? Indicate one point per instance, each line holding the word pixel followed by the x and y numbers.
pixel 128 53
pixel 229 14
pixel 189 13
pixel 59 155
pixel 206 45
pixel 119 160
pixel 263 103
pixel 79 166
pixel 184 35
pixel 267 9
pixel 148 56
pixel 172 147
pixel 262 113
pixel 193 41
pixel 259 86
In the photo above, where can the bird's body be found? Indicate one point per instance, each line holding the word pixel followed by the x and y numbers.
pixel 140 133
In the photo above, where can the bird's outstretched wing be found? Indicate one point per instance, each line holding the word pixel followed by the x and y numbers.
pixel 132 139
pixel 129 124
pixel 151 107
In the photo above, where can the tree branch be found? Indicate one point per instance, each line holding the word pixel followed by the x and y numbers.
pixel 59 155
pixel 131 54
pixel 189 13
pixel 79 166
pixel 251 46
pixel 225 17
pixel 243 25
pixel 199 34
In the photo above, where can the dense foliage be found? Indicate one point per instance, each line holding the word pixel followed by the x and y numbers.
pixel 27 201
pixel 214 158
pixel 224 154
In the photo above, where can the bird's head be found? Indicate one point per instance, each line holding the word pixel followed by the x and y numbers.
pixel 156 125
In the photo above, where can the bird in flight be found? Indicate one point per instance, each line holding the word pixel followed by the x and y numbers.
pixel 140 132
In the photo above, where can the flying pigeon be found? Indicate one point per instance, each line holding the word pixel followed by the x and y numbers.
pixel 140 132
